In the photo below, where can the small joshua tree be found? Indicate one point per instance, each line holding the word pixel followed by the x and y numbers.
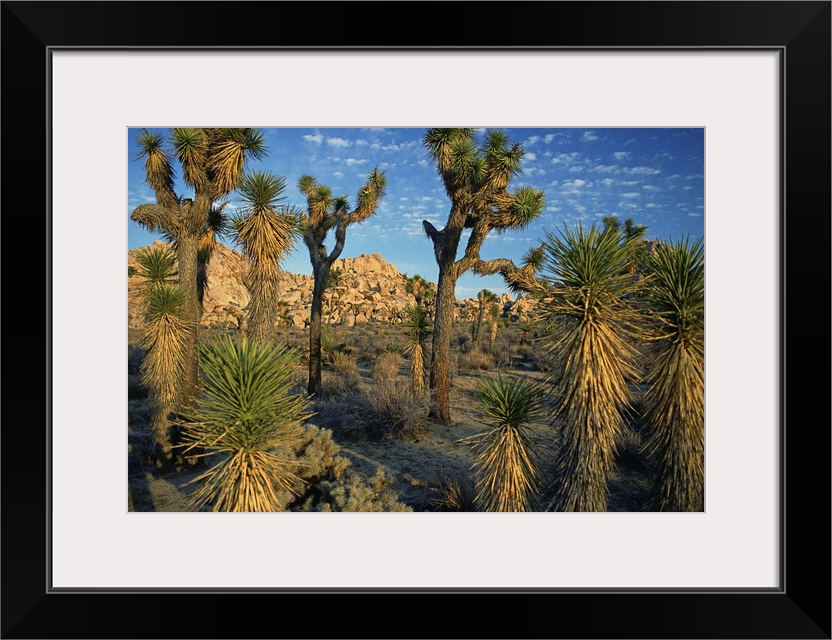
pixel 508 465
pixel 417 329
pixel 265 232
pixel 591 327
pixel 323 213
pixel 246 416
pixel 164 337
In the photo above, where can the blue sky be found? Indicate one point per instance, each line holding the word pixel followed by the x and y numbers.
pixel 653 175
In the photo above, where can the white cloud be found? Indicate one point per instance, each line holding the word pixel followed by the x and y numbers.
pixel 532 140
pixel 338 142
pixel 338 174
pixel 650 187
pixel 574 183
pixel 608 182
pixel 588 136
pixel 576 168
pixel 549 137
pixel 566 158
pixel 630 195
pixel 353 161
pixel 530 156
pixel 620 155
pixel 361 142
pixel 317 138
pixel 643 171
pixel 695 215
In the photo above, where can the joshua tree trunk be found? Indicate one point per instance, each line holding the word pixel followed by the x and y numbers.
pixel 440 384
pixel 186 256
pixel 321 275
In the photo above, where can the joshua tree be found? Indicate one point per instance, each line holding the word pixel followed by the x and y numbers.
pixel 484 298
pixel 265 235
pixel 245 416
pixel 494 313
pixel 164 334
pixel 417 330
pixel 476 181
pixel 675 400
pixel 632 235
pixel 507 469
pixel 212 161
pixel 323 213
pixel 593 357
pixel 416 286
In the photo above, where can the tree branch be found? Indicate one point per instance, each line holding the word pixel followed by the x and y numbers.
pixel 156 218
pixel 518 279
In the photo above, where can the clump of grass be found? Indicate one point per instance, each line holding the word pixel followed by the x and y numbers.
pixel 453 492
pixel 386 367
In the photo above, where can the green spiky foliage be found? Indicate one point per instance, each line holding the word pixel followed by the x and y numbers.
pixel 156 265
pixel 674 404
pixel 593 359
pixel 632 235
pixel 265 233
pixel 323 213
pixel 417 330
pixel 247 417
pixel 507 469
pixel 164 337
pixel 476 175
pixel 212 163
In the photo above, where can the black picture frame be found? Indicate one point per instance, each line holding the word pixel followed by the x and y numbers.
pixel 800 608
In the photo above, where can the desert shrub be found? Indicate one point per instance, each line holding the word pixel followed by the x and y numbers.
pixel 452 492
pixel 386 367
pixel 394 346
pixel 392 409
pixel 335 386
pixel 344 364
pixel 476 359
pixel 353 493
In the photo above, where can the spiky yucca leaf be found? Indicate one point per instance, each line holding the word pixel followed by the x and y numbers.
pixel 164 336
pixel 158 168
pixel 156 264
pixel 231 155
pixel 675 400
pixel 594 360
pixel 507 468
pixel 191 150
pixel 246 413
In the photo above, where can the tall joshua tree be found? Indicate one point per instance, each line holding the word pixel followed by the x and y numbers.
pixel 212 162
pixel 476 178
pixel 265 232
pixel 675 400
pixel 594 359
pixel 323 213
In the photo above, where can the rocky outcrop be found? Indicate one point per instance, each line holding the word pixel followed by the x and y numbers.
pixel 362 289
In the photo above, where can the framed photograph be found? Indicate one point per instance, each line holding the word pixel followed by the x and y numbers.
pixel 754 77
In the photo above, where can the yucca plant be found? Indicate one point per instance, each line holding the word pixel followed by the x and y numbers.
pixel 507 469
pixel 165 338
pixel 593 359
pixel 265 232
pixel 247 417
pixel 416 329
pixel 674 403
pixel 156 265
